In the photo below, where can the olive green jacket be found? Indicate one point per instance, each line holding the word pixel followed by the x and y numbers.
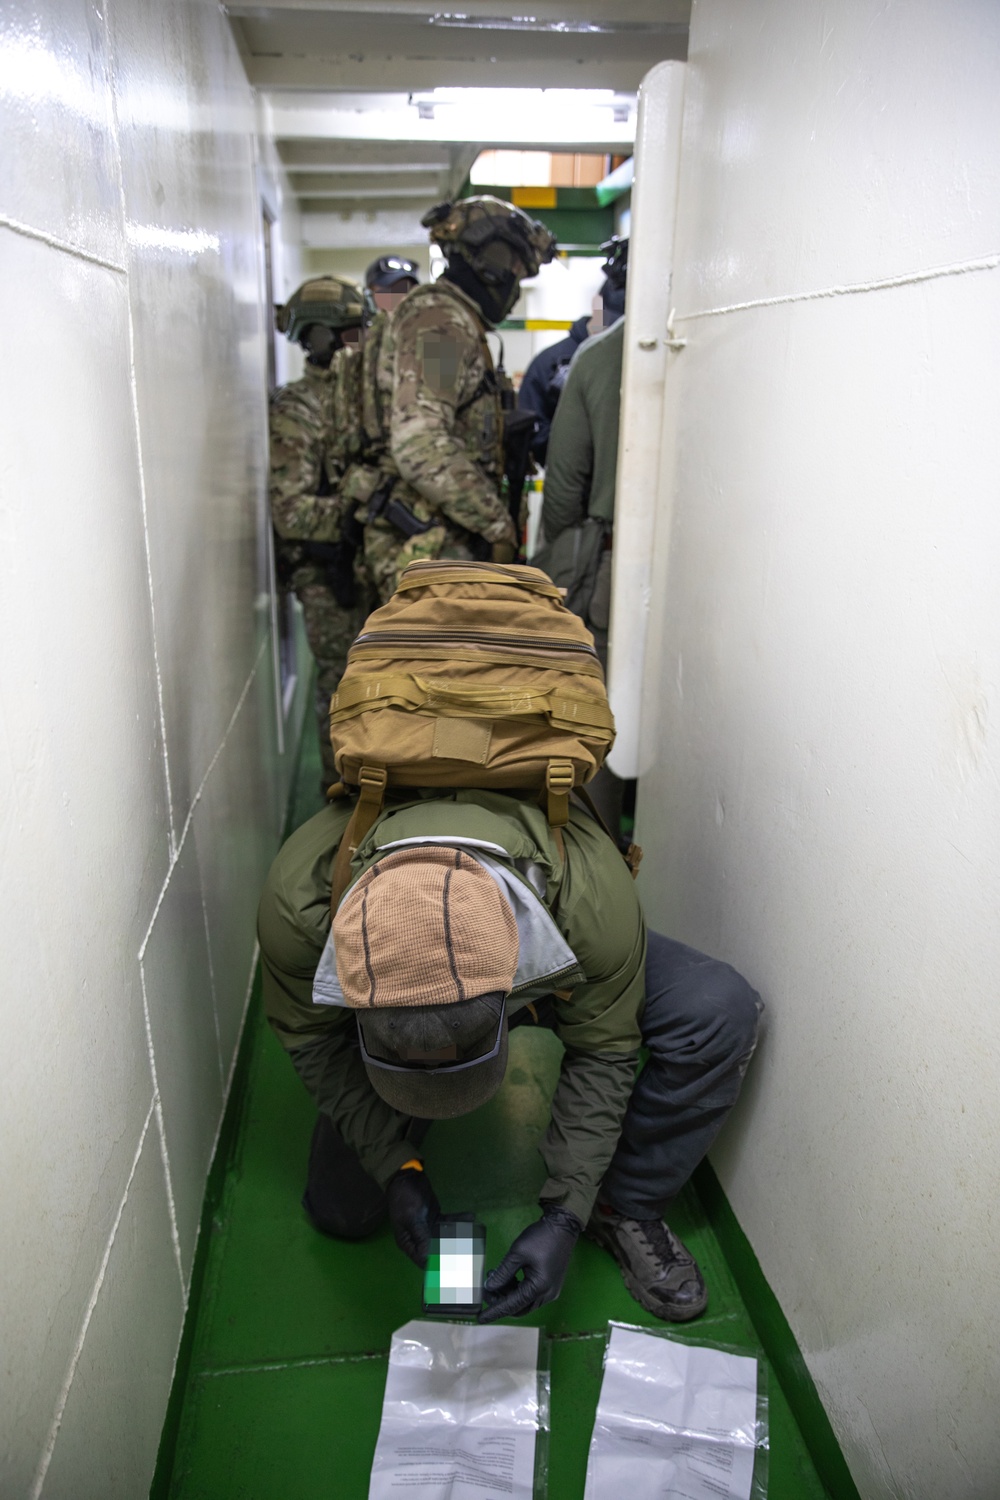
pixel 593 902
pixel 582 459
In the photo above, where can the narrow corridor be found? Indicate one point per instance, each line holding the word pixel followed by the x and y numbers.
pixel 288 1342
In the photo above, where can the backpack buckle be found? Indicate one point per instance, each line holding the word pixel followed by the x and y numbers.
pixel 559 779
pixel 372 782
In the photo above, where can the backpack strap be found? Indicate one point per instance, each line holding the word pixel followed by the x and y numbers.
pixel 633 854
pixel 373 781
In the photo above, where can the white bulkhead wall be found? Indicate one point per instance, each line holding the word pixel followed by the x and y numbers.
pixel 141 788
pixel 642 446
pixel 820 801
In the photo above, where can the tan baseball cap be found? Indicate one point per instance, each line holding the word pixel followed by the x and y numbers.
pixel 427 949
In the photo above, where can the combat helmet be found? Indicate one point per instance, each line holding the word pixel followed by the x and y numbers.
pixel 487 232
pixel 330 300
pixel 615 267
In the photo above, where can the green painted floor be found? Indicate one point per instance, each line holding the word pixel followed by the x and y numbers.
pixel 288 1338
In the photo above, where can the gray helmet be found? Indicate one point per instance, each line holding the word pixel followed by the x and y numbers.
pixel 488 233
pixel 330 300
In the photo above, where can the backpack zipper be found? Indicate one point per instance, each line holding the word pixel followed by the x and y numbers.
pixel 432 564
pixel 473 637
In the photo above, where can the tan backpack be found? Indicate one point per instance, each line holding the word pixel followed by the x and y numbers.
pixel 472 675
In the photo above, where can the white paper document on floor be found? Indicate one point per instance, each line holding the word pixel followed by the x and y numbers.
pixel 460 1415
pixel 674 1422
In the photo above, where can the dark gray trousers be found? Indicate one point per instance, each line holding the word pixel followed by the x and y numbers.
pixel 699 1028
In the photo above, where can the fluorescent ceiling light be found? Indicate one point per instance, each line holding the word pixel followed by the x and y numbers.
pixel 462 21
pixel 514 168
pixel 600 118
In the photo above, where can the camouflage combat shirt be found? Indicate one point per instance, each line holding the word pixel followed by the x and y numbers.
pixel 300 431
pixel 444 440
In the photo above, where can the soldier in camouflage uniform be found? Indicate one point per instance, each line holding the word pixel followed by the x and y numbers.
pixel 434 487
pixel 314 551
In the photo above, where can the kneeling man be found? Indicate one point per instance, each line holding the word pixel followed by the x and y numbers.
pixel 466 914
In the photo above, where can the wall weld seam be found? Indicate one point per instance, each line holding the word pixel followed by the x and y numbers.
pixel 269 1367
pixel 60 1411
pixel 164 1155
pixel 109 43
pixel 239 1032
pixel 175 857
pixel 66 246
pixel 227 1082
pixel 849 289
pixel 211 985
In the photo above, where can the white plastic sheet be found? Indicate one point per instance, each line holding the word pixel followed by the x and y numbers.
pixel 675 1421
pixel 461 1414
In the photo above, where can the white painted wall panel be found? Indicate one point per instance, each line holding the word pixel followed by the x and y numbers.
pixel 177 980
pixel 233 829
pixel 824 804
pixel 861 165
pixel 110 1426
pixel 82 811
pixel 186 120
pixel 134 598
pixel 59 165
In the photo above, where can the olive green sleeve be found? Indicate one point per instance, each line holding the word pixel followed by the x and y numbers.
pixel 598 910
pixel 293 922
pixel 599 914
pixel 569 462
pixel 588 1108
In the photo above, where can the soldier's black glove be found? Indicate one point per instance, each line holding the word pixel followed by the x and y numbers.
pixel 542 1253
pixel 413 1213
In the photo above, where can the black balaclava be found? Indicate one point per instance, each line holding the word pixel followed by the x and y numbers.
pixel 321 343
pixel 494 300
pixel 613 299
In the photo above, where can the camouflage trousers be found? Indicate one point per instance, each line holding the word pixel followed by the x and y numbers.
pixel 388 552
pixel 330 630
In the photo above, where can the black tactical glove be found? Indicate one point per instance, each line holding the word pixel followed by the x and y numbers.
pixel 542 1252
pixel 413 1213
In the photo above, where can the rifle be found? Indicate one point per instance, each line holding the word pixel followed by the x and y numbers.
pixel 518 436
pixel 382 503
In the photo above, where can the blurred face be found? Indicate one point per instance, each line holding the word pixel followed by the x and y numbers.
pixel 389 298
pixel 601 317
pixel 352 337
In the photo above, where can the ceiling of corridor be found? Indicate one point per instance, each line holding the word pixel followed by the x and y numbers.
pixel 369 146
